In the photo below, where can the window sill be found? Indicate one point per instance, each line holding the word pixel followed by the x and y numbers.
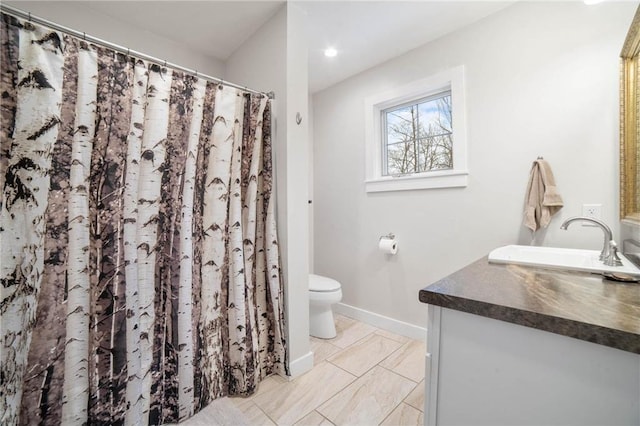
pixel 434 180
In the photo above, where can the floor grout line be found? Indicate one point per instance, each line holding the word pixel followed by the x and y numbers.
pixel 338 391
pixel 355 343
pixel 404 377
pixel 265 413
pixel 409 394
pixel 319 413
pixel 346 371
pixel 359 340
pixel 390 412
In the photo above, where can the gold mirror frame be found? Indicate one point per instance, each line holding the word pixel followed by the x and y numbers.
pixel 630 123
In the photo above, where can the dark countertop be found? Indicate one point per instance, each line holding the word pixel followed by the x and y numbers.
pixel 574 304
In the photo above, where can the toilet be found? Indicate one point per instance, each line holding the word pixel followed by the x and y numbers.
pixel 323 293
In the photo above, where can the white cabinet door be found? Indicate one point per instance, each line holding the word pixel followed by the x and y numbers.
pixel 488 372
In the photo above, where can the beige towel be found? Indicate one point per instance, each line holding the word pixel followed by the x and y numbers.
pixel 542 198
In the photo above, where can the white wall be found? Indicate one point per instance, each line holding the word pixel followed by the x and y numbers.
pixel 541 79
pixel 310 174
pixel 275 58
pixel 297 187
pixel 77 16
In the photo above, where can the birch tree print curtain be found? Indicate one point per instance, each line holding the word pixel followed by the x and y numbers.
pixel 139 266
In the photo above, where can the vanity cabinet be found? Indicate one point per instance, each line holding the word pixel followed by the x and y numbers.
pixel 513 345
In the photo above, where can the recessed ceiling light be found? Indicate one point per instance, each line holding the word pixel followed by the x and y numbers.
pixel 330 52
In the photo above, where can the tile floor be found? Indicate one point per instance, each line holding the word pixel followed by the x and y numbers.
pixel 364 376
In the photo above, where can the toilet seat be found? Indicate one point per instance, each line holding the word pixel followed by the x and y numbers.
pixel 322 284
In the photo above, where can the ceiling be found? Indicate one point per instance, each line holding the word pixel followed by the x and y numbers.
pixel 368 33
pixel 198 24
pixel 365 33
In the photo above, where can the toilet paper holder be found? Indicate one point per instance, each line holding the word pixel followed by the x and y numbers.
pixel 388 245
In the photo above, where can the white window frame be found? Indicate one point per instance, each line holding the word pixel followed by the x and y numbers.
pixel 449 80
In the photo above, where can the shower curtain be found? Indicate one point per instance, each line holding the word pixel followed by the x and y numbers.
pixel 139 257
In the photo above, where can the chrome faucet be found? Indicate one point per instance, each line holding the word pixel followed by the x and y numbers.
pixel 609 253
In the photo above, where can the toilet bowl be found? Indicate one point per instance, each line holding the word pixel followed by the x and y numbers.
pixel 323 293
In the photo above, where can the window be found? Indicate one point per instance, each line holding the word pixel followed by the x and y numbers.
pixel 416 135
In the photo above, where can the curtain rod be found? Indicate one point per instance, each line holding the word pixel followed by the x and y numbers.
pixel 81 35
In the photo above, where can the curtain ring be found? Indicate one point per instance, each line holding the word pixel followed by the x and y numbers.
pixel 165 63
pixel 196 73
pixel 128 51
pixel 29 16
pixel 84 36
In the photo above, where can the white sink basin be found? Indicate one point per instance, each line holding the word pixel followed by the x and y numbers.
pixel 560 258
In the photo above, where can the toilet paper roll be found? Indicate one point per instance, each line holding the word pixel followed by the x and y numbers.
pixel 388 246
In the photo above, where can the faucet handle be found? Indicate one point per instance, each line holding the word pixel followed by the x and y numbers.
pixel 613 259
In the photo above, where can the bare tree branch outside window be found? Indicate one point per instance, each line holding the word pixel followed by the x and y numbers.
pixel 419 137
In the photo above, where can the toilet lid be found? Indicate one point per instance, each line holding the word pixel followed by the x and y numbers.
pixel 320 283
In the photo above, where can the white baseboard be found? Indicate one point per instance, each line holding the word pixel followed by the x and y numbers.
pixel 380 321
pixel 301 365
